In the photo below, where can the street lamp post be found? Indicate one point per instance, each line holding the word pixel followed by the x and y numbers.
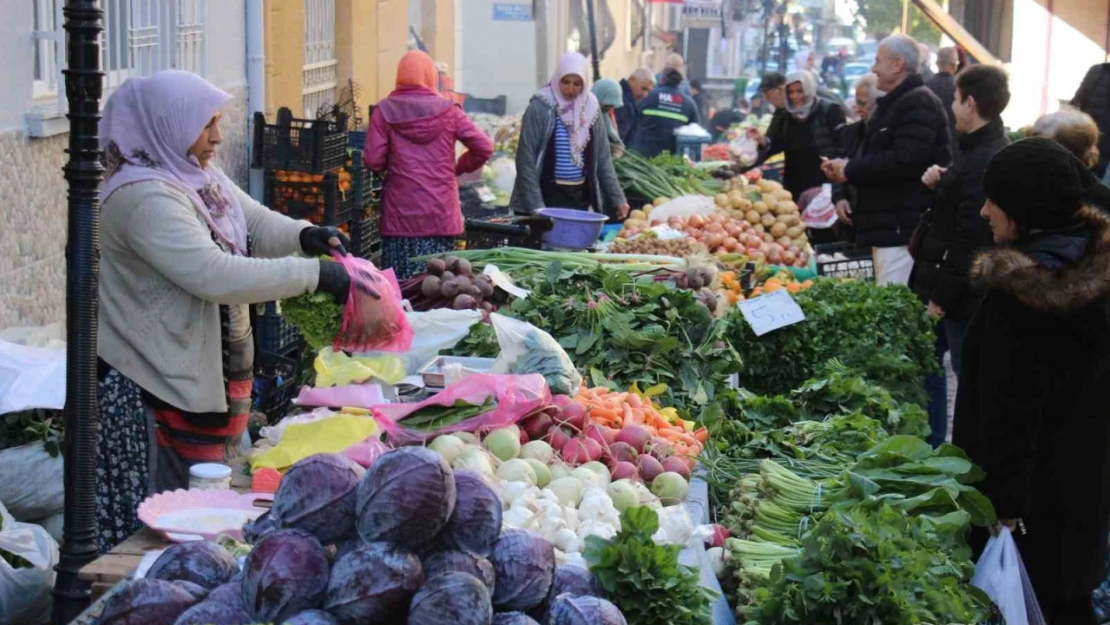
pixel 83 172
pixel 593 40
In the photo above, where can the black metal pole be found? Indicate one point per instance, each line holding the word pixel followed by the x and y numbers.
pixel 83 172
pixel 593 40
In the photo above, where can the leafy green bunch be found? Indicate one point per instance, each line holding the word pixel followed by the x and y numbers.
pixel 32 426
pixel 317 316
pixel 644 579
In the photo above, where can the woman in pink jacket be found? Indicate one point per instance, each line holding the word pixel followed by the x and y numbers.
pixel 413 134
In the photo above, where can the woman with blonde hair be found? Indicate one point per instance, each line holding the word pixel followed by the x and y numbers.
pixel 1073 129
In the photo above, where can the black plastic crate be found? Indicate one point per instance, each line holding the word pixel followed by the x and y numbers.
pixel 856 263
pixel 274 334
pixel 323 199
pixel 365 184
pixel 489 234
pixel 366 235
pixel 493 106
pixel 276 380
pixel 308 145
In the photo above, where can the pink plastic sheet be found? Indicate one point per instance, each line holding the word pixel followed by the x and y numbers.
pixel 516 396
pixel 366 453
pixel 372 323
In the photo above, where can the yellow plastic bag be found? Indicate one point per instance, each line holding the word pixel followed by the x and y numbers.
pixel 338 369
pixel 326 436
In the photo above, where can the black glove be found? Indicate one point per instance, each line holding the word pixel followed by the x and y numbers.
pixel 320 241
pixel 334 280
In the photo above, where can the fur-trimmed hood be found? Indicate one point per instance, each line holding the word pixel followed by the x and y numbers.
pixel 1027 271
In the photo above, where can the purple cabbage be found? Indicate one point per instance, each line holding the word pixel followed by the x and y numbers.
pixel 476 522
pixel 203 563
pixel 256 530
pixel 146 602
pixel 568 609
pixel 461 562
pixel 312 617
pixel 451 599
pixel 525 567
pixel 406 498
pixel 230 593
pixel 317 495
pixel 199 592
pixel 373 584
pixel 513 618
pixel 285 573
pixel 573 579
pixel 212 613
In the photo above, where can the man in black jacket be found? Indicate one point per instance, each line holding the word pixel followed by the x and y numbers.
pixel 952 232
pixel 907 135
pixel 1093 98
pixel 635 88
pixel 943 83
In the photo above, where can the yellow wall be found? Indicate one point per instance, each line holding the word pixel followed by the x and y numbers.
pixel 284 55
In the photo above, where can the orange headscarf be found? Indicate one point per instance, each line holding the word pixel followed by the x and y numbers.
pixel 417 69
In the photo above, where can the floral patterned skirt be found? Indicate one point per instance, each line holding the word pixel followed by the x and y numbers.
pixel 397 253
pixel 122 460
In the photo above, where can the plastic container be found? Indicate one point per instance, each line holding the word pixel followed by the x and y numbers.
pixel 276 380
pixel 274 334
pixel 209 476
pixel 852 262
pixel 308 145
pixel 691 147
pixel 366 236
pixel 572 229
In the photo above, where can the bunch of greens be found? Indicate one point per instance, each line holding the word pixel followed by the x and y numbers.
pixel 644 579
pixel 840 391
pixel 33 426
pixel 883 334
pixel 481 342
pixel 434 417
pixel 871 565
pixel 317 316
pixel 547 358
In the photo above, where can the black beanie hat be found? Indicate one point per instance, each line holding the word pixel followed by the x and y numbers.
pixel 1038 183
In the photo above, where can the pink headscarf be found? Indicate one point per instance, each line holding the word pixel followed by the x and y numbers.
pixel 149 124
pixel 578 114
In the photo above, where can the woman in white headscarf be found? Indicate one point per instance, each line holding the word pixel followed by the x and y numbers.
pixel 563 158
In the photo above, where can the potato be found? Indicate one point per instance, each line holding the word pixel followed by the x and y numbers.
pixel 637 215
pixel 771 202
pixel 661 201
pixel 753 217
pixel 768 220
pixel 788 206
pixel 795 231
pixel 763 184
pixel 761 208
pixel 785 242
pixel 721 200
pixel 783 194
pixel 778 229
pixel 768 237
pixel 648 208
pixel 800 242
pixel 734 198
pixel 745 204
pixel 759 229
pixel 793 220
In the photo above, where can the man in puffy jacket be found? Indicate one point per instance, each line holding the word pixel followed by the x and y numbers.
pixel 667 109
pixel 1093 98
pixel 635 88
pixel 907 135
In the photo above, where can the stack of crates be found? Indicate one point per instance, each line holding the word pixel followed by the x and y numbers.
pixel 365 228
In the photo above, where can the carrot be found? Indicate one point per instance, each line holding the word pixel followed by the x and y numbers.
pixel 635 401
pixel 608 414
pixel 702 434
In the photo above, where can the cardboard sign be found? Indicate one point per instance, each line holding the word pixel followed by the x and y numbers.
pixel 770 312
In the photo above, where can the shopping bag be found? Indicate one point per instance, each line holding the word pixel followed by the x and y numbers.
pixel 34 484
pixel 435 331
pixel 1001 574
pixel 820 212
pixel 374 317
pixel 528 349
pixel 338 369
pixel 25 587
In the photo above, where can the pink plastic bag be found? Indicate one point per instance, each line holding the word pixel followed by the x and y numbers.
pixel 366 453
pixel 369 322
pixel 516 396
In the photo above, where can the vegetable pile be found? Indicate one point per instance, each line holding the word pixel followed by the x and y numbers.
pixel 450 283
pixel 663 176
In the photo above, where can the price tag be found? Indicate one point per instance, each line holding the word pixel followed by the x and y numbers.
pixel 770 312
pixel 500 279
pixel 485 195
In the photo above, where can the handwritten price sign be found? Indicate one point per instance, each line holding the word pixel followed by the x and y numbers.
pixel 770 312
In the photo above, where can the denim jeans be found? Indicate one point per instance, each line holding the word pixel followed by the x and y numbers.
pixel 936 386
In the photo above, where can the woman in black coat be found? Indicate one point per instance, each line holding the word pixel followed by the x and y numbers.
pixel 1031 408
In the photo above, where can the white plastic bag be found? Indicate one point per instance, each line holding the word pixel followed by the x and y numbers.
pixel 1001 574
pixel 33 487
pixel 25 597
pixel 820 213
pixel 685 206
pixel 528 349
pixel 435 330
pixel 31 377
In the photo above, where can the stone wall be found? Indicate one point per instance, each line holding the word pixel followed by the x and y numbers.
pixel 33 217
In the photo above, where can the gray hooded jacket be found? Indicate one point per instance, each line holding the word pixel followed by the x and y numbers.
pixel 537 128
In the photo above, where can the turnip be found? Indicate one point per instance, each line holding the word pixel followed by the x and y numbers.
pixel 581 450
pixel 448 446
pixel 536 425
pixel 670 488
pixel 573 415
pixel 568 490
pixel 661 448
pixel 599 468
pixel 537 450
pixel 517 470
pixel 476 459
pixel 558 437
pixel 624 471
pixel 503 443
pixel 624 495
pixel 559 469
pixel 674 464
pixel 467 437
pixel 543 474
pixel 650 468
pixel 622 452
pixel 561 401
pixel 522 436
pixel 636 436
pixel 716 560
pixel 591 478
pixel 720 535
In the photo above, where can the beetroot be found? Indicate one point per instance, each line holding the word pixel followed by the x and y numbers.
pixel 661 448
pixel 650 468
pixel 677 465
pixel 572 415
pixel 622 452
pixel 524 438
pixel 536 425
pixel 624 470
pixel 581 450
pixel 636 436
pixel 604 436
pixel 558 437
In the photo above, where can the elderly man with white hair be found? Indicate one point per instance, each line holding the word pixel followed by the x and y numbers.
pixel 675 61
pixel 635 88
pixel 907 134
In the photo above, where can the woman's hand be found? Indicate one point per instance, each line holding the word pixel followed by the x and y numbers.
pixel 996 529
pixel 320 241
pixel 335 281
pixel 623 210
pixel 932 176
pixel 844 211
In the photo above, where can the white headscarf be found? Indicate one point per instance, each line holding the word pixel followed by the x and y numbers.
pixel 809 89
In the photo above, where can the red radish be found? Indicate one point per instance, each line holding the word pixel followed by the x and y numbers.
pixel 573 416
pixel 636 436
pixel 605 436
pixel 660 448
pixel 650 468
pixel 624 470
pixel 689 461
pixel 720 534
pixel 537 425
pixel 524 438
pixel 581 450
pixel 677 465
pixel 557 436
pixel 561 401
pixel 622 452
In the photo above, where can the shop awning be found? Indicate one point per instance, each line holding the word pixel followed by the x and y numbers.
pixel 953 29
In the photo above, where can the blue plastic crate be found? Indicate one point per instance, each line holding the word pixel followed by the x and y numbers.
pixel 691 147
pixel 274 334
pixel 276 380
